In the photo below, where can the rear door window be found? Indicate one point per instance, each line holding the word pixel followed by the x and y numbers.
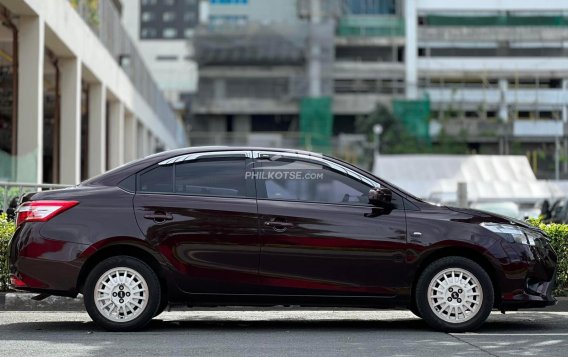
pixel 157 180
pixel 223 177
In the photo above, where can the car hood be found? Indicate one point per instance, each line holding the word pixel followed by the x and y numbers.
pixel 493 217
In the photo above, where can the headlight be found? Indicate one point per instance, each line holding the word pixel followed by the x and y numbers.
pixel 513 234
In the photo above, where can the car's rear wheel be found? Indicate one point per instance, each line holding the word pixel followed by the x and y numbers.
pixel 454 294
pixel 122 293
pixel 163 305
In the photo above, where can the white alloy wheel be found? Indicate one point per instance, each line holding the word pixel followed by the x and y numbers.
pixel 455 295
pixel 121 294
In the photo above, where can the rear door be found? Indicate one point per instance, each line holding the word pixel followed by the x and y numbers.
pixel 200 212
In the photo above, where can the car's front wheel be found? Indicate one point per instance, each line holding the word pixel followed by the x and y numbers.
pixel 122 293
pixel 454 294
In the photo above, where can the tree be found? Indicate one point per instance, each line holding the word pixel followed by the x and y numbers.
pixel 397 139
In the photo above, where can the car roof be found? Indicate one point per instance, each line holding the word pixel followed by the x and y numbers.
pixel 114 176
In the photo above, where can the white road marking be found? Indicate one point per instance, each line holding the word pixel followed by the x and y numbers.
pixel 473 334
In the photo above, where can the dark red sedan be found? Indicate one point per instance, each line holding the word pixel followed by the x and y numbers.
pixel 215 226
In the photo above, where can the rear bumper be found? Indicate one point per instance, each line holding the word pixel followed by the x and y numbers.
pixel 44 265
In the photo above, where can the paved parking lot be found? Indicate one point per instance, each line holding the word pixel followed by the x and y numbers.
pixel 283 333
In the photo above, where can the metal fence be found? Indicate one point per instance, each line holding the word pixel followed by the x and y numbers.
pixel 12 192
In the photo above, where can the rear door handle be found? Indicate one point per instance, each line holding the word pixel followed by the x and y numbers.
pixel 278 224
pixel 159 216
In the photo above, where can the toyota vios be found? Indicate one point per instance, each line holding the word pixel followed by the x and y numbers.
pixel 217 226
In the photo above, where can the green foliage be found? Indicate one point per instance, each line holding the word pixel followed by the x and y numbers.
pixel 558 234
pixel 396 139
pixel 11 192
pixel 7 229
pixel 89 9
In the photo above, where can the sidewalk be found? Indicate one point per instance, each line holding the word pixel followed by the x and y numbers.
pixel 23 302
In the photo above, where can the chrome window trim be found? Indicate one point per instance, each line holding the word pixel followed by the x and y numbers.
pixel 319 159
pixel 209 154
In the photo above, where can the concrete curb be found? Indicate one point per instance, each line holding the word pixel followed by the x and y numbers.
pixel 23 302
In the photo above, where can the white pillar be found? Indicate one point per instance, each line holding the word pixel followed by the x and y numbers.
pixel 130 135
pixel 411 50
pixel 97 129
pixel 70 130
pixel 150 146
pixel 116 134
pixel 565 105
pixel 203 12
pixel 31 37
pixel 503 105
pixel 141 140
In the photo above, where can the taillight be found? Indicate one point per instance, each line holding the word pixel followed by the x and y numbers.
pixel 41 211
pixel 17 282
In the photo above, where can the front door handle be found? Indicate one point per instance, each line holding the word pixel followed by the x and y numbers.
pixel 159 216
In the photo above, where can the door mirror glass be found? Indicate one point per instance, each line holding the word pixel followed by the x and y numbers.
pixel 380 196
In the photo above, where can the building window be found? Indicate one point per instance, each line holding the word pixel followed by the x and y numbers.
pixel 167 58
pixel 168 16
pixel 148 32
pixel 170 32
pixel 149 2
pixel 228 2
pixel 189 16
pixel 228 19
pixel 188 33
pixel 147 16
pixel 169 19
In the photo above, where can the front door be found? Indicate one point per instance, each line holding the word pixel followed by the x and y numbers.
pixel 201 214
pixel 320 235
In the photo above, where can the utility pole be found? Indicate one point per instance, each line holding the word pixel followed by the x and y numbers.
pixel 411 50
pixel 557 158
pixel 314 51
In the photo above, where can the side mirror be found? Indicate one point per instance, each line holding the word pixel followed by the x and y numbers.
pixel 380 196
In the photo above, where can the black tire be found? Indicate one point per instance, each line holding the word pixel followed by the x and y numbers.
pixel 482 310
pixel 163 305
pixel 143 315
pixel 414 309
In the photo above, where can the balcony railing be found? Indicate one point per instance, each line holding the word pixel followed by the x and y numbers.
pixel 370 26
pixel 104 19
pixel 489 21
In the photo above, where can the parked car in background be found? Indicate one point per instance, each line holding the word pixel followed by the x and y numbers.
pixel 217 226
pixel 559 211
pixel 504 208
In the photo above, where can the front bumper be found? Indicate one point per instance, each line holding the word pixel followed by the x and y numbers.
pixel 531 277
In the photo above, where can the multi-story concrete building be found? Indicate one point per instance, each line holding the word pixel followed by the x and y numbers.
pixel 493 74
pixel 162 31
pixel 77 98
pixel 496 71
